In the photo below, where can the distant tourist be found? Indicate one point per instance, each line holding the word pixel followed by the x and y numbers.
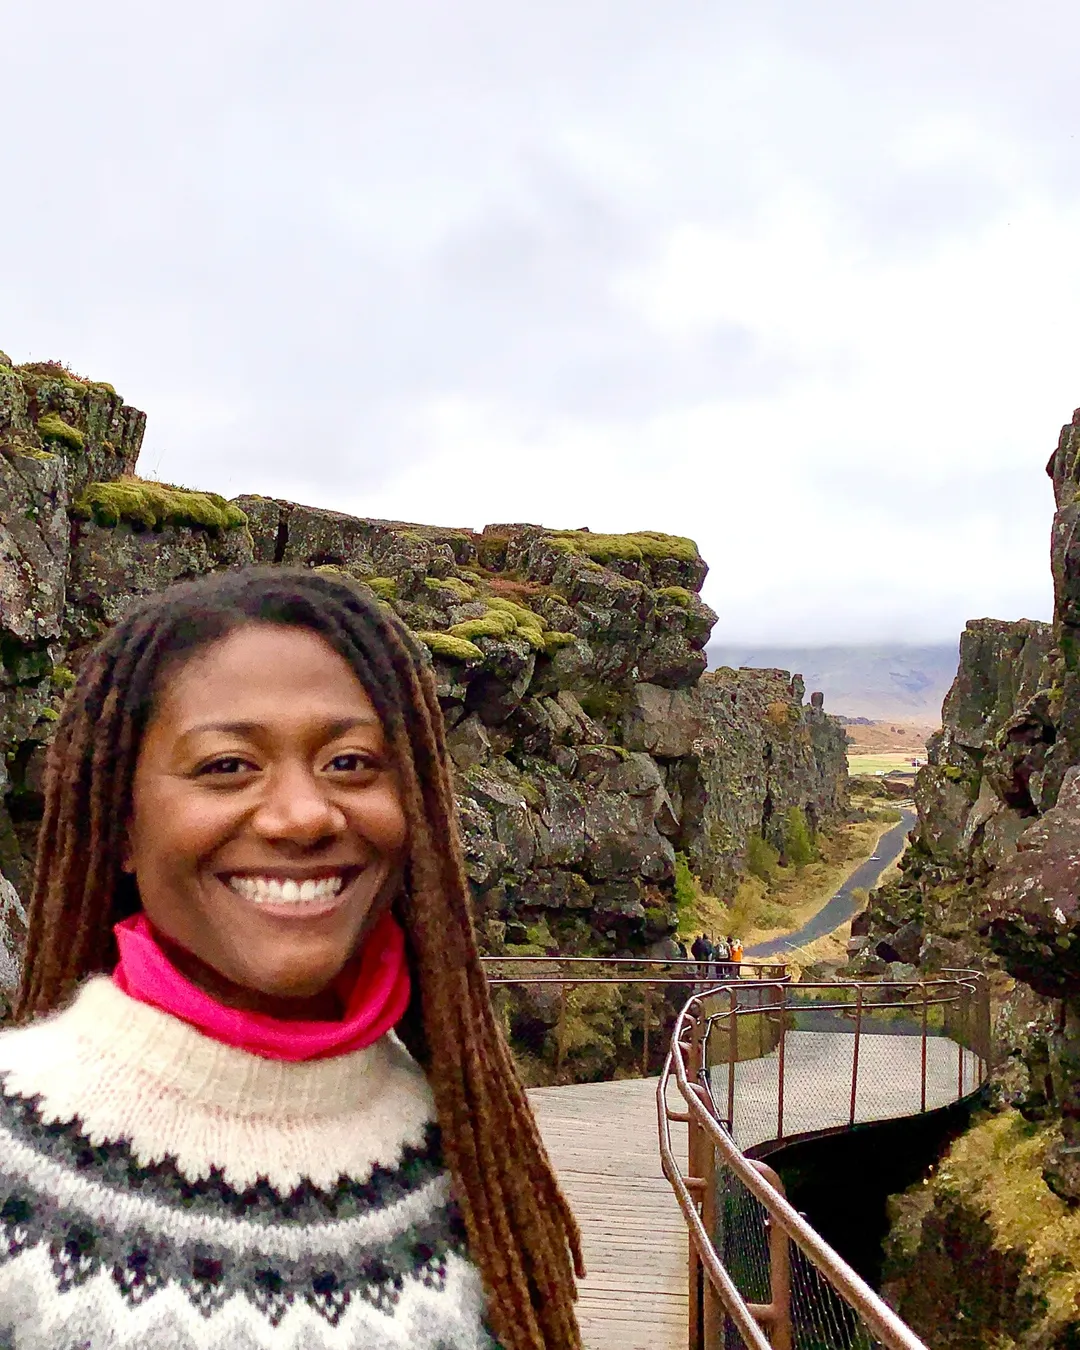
pixel 702 952
pixel 721 953
pixel 736 955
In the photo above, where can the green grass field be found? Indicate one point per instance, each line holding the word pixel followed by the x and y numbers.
pixel 877 764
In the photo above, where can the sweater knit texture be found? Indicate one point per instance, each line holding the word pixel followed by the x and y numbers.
pixel 161 1190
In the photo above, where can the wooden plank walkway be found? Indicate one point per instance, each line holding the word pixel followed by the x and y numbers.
pixel 603 1142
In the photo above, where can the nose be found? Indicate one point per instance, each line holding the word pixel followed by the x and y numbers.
pixel 297 808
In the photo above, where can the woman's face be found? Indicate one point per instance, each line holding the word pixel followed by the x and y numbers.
pixel 267 827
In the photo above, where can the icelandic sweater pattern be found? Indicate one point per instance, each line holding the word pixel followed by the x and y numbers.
pixel 159 1189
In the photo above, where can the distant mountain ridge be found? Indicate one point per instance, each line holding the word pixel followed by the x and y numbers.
pixel 879 681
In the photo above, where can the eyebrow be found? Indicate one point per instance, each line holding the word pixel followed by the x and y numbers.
pixel 332 729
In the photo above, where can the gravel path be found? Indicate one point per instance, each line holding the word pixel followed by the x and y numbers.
pixel 842 905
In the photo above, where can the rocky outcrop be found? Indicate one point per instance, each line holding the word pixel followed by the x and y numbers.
pixel 991 879
pixel 588 742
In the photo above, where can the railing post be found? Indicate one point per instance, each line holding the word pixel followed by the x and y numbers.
pixel 776 1314
pixel 733 1055
pixel 960 1045
pixel 855 1051
pixel 645 1035
pixel 694 1153
pixel 922 1106
pixel 780 1063
pixel 712 1313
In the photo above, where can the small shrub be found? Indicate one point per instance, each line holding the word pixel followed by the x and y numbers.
pixel 761 858
pixel 687 886
pixel 798 841
pixel 779 714
pixel 657 918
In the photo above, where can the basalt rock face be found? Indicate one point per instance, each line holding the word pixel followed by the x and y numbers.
pixel 991 879
pixel 588 743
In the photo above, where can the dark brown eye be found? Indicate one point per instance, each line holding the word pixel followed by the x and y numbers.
pixel 228 764
pixel 351 762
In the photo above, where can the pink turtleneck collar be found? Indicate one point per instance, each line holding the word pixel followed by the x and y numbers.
pixel 376 1002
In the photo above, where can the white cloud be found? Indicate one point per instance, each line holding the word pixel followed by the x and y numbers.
pixel 797 281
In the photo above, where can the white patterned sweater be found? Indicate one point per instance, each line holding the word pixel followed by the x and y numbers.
pixel 162 1191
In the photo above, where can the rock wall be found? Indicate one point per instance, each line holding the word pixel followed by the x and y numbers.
pixel 992 879
pixel 589 743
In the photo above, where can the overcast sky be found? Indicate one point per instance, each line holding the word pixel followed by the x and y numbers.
pixel 799 280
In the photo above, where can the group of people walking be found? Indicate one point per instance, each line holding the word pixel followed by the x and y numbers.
pixel 719 958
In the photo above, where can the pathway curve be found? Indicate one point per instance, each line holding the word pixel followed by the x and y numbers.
pixel 843 904
pixel 817 1073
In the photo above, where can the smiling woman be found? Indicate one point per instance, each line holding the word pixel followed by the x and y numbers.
pixel 271 1032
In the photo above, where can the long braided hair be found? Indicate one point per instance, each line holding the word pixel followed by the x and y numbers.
pixel 520 1230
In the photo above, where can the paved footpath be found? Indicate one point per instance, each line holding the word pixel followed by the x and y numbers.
pixel 843 905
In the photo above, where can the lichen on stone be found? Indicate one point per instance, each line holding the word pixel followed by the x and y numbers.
pixel 52 427
pixel 450 646
pixel 136 501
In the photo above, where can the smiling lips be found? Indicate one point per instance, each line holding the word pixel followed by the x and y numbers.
pixel 271 890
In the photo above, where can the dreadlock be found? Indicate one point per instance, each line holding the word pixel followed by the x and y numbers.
pixel 520 1230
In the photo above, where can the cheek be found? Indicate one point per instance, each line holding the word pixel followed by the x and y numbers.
pixel 381 819
pixel 172 828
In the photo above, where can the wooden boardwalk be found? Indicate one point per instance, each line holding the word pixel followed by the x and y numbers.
pixel 602 1138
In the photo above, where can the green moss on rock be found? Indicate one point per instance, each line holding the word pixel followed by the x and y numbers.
pixel 677 595
pixel 492 624
pixel 450 646
pixel 642 546
pixel 554 640
pixel 152 505
pixel 384 587
pixel 454 586
pixel 52 427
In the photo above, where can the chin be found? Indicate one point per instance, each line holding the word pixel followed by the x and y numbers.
pixel 295 984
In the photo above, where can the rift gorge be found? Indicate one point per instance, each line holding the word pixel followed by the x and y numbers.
pixel 616 799
pixel 591 747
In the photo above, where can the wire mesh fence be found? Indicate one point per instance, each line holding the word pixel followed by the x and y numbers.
pixel 760 1276
pixel 573 1019
pixel 786 1059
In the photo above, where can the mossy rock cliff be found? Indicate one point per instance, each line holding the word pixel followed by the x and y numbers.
pixel 587 743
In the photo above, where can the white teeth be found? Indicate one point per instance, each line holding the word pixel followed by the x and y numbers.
pixel 272 891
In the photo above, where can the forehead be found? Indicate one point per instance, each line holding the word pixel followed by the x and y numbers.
pixel 262 672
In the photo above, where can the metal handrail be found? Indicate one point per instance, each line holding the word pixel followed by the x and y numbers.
pixel 953 987
pixel 709 1141
pixel 689 973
